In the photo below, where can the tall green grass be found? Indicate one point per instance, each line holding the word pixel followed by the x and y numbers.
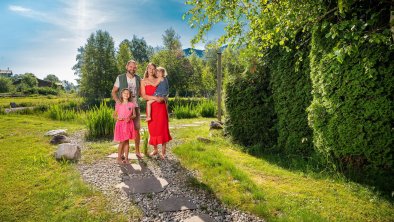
pixel 207 108
pixel 100 122
pixel 185 111
pixel 57 112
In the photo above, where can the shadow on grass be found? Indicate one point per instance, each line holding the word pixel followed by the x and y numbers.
pixel 378 181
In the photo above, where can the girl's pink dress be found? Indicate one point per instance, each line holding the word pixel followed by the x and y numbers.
pixel 124 130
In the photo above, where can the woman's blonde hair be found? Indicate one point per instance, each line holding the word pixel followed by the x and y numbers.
pixel 162 69
pixel 146 74
pixel 130 97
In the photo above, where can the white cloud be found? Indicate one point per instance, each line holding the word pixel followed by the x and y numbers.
pixel 17 8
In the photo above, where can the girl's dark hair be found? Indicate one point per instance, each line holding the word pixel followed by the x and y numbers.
pixel 130 97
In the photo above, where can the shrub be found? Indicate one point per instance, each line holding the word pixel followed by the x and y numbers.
pixel 291 90
pixel 100 122
pixel 352 109
pixel 250 118
pixel 5 85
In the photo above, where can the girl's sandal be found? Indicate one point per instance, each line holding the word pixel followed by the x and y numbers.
pixel 139 156
pixel 153 153
pixel 163 156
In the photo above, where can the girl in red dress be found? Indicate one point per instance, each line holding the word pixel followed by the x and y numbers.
pixel 124 127
pixel 158 128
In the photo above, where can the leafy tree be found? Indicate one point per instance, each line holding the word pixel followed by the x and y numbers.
pixel 68 86
pixel 178 68
pixel 98 70
pixel 5 84
pixel 123 55
pixel 52 78
pixel 140 50
pixel 171 40
pixel 79 58
pixel 195 82
pixel 208 82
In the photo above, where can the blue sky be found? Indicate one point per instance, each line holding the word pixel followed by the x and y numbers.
pixel 42 36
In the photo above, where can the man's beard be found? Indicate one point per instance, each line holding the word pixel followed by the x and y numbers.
pixel 131 72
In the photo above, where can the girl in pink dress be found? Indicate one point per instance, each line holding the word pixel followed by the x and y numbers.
pixel 124 127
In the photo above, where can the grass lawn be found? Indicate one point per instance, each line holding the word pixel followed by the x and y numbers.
pixel 274 193
pixel 37 100
pixel 34 186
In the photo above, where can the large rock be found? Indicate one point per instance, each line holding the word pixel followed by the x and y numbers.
pixel 58 139
pixel 216 125
pixel 56 132
pixel 12 105
pixel 68 151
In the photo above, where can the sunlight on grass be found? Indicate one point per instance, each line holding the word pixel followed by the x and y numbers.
pixel 34 186
pixel 276 194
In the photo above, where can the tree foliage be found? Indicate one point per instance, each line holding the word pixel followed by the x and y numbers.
pixel 123 55
pixel 5 85
pixel 140 50
pixel 52 78
pixel 98 70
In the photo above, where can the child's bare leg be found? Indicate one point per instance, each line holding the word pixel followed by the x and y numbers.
pixel 126 151
pixel 155 151
pixel 163 150
pixel 120 152
pixel 148 109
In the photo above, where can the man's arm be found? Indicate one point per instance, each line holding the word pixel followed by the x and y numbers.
pixel 114 94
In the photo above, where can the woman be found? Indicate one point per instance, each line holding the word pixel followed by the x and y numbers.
pixel 159 132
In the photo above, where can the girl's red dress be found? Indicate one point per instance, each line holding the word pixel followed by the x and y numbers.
pixel 159 132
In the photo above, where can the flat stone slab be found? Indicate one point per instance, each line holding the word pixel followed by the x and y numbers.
pixel 144 185
pixel 200 218
pixel 176 204
pixel 190 125
pixel 132 156
pixel 133 168
pixel 56 132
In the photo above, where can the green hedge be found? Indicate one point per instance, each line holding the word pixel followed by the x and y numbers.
pixel 250 115
pixel 291 87
pixel 352 109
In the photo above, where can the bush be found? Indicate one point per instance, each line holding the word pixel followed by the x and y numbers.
pixel 352 109
pixel 207 108
pixel 291 90
pixel 185 111
pixel 250 118
pixel 100 122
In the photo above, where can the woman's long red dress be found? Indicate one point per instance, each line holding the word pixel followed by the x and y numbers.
pixel 159 131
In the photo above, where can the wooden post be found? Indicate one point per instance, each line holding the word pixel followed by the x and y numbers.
pixel 219 86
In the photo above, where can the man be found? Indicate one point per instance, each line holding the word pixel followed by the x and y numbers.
pixel 133 82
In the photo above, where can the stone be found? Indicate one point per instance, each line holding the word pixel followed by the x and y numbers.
pixel 200 218
pixel 216 125
pixel 132 156
pixel 12 105
pixel 56 132
pixel 58 139
pixel 145 185
pixel 68 151
pixel 176 204
pixel 204 140
pixel 133 168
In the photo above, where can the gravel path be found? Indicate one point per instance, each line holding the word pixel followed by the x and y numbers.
pixel 104 175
